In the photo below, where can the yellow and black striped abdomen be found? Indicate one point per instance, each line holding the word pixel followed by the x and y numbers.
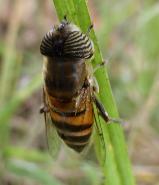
pixel 73 126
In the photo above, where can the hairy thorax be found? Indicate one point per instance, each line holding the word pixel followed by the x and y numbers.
pixel 64 77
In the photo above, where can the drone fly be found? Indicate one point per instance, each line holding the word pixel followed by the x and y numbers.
pixel 68 90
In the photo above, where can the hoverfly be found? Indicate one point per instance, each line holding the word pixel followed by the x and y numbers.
pixel 68 89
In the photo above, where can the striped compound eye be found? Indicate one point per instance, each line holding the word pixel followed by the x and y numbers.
pixel 78 45
pixel 67 41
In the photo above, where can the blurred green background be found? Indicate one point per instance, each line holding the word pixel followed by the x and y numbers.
pixel 128 34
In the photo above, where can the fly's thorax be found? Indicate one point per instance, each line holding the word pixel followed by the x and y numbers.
pixel 64 77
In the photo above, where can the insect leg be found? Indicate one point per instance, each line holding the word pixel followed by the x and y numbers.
pixel 65 17
pixel 100 133
pixel 44 108
pixel 104 63
pixel 101 109
pixel 97 126
pixel 103 113
pixel 89 29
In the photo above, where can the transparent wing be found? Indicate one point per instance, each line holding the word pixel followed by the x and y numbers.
pixel 100 144
pixel 53 140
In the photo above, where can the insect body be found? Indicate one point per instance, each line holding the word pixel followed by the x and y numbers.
pixel 68 94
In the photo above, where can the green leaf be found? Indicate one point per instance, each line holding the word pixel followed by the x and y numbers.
pixel 32 171
pixel 9 109
pixel 21 95
pixel 26 154
pixel 116 166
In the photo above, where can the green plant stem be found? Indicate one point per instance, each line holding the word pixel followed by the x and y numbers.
pixel 20 96
pixel 31 171
pixel 8 110
pixel 116 167
pixel 10 70
pixel 10 61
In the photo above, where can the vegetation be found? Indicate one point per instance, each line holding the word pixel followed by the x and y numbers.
pixel 116 160
pixel 127 33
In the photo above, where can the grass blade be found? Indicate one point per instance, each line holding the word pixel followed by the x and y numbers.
pixel 9 109
pixel 32 171
pixel 117 168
